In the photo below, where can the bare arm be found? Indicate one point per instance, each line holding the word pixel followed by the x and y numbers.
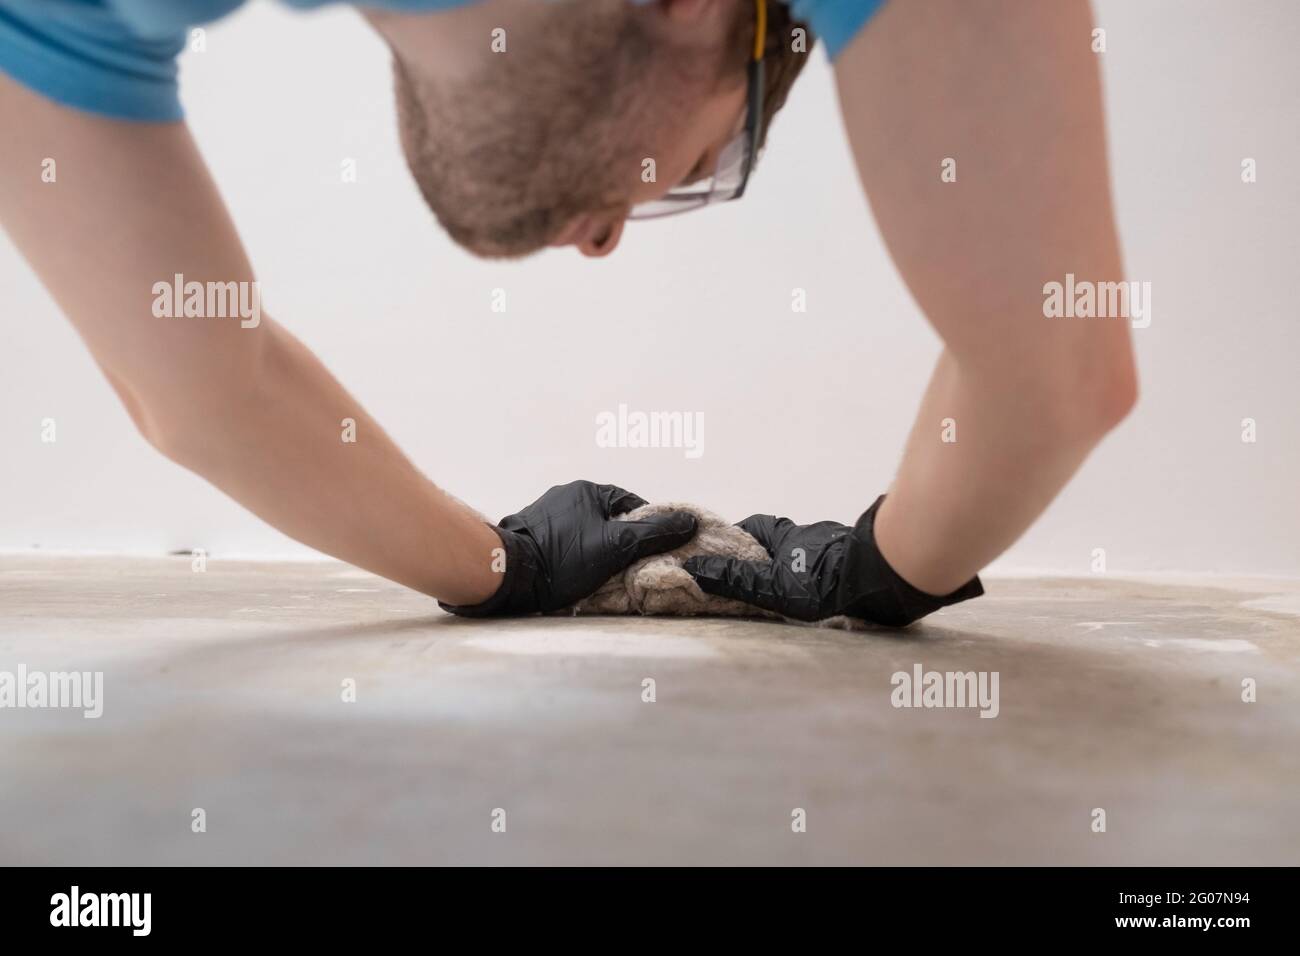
pixel 1010 90
pixel 249 409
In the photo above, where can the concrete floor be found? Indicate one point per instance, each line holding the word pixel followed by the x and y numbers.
pixel 223 691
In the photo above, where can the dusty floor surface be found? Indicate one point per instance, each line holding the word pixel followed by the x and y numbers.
pixel 223 691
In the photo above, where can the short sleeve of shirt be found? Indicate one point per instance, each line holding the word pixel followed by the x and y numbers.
pixel 835 22
pixel 87 54
pixel 118 57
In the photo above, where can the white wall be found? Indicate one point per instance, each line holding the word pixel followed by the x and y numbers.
pixel 805 414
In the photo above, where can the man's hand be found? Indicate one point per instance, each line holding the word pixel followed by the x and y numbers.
pixel 564 546
pixel 821 570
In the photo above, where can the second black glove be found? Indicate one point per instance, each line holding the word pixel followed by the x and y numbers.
pixel 822 570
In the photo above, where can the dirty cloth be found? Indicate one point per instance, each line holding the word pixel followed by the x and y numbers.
pixel 660 585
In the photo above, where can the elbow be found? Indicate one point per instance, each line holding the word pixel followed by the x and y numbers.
pixel 182 428
pixel 1089 393
pixel 199 438
pixel 197 421
pixel 168 434
pixel 1075 396
pixel 152 414
pixel 1113 395
pixel 169 438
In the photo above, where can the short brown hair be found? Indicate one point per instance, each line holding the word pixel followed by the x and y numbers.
pixel 789 44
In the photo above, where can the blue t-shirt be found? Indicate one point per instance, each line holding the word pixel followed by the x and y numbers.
pixel 118 57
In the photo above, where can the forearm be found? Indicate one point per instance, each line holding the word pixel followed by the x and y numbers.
pixel 296 449
pixel 985 458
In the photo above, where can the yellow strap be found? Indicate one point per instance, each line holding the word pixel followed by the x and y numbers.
pixel 760 30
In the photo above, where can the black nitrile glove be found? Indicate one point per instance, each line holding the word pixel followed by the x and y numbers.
pixel 564 546
pixel 821 570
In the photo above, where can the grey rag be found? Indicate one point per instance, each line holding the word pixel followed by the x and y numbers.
pixel 660 585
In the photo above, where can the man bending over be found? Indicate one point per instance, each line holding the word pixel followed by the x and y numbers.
pixel 544 146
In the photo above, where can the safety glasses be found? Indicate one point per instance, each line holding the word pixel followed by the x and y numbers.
pixel 736 161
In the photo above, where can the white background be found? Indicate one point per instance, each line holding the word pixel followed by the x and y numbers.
pixel 804 414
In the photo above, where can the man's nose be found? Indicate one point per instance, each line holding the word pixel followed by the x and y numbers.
pixel 602 240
